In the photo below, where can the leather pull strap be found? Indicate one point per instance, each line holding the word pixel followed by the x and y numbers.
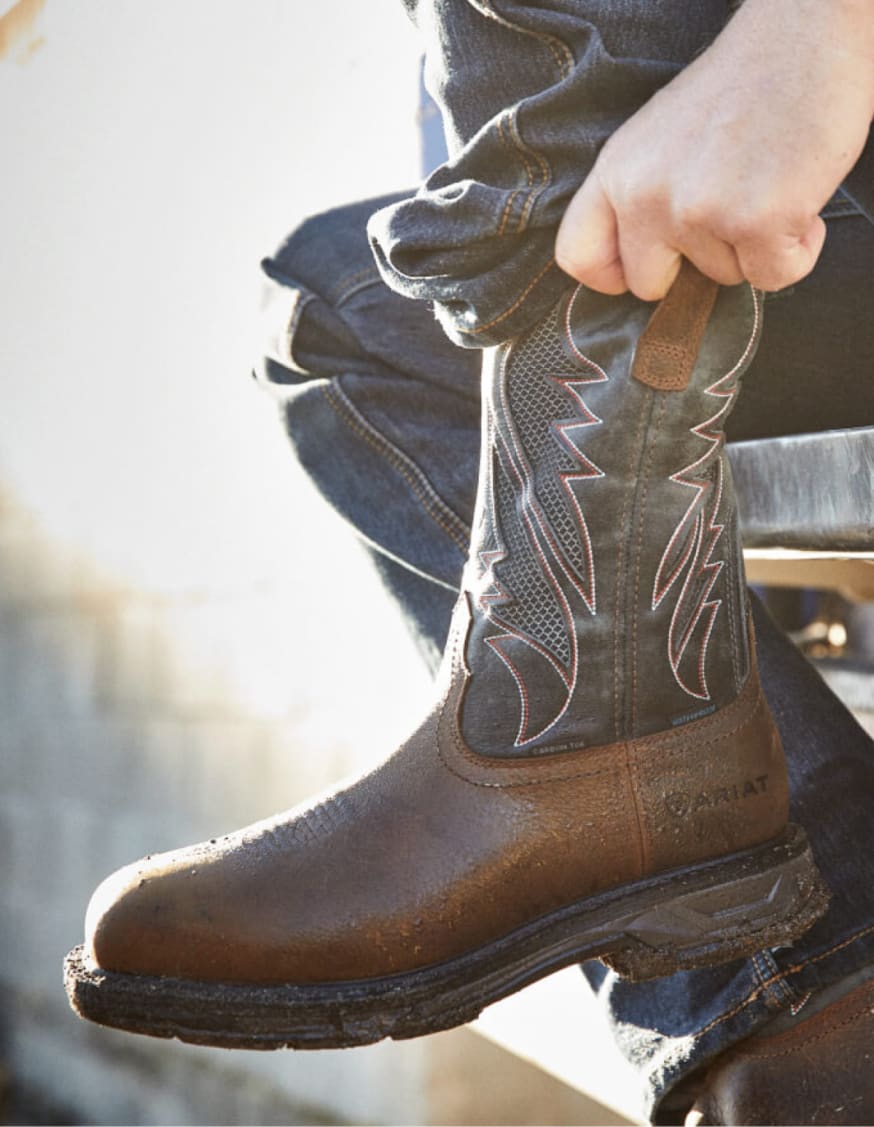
pixel 668 347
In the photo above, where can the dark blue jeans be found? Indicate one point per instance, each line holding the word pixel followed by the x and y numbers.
pixel 383 412
pixel 529 90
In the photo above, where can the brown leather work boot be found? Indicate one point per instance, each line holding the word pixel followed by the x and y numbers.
pixel 820 1071
pixel 600 775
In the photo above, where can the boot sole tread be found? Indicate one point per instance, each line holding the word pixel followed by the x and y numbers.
pixel 698 916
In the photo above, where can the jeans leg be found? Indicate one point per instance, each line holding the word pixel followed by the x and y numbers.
pixel 411 388
pixel 529 92
pixel 812 370
pixel 381 409
pixel 671 1027
pixel 809 374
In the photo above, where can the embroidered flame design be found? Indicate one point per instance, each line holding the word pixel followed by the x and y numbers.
pixel 690 551
pixel 551 556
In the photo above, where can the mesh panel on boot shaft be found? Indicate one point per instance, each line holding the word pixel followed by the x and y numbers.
pixel 606 578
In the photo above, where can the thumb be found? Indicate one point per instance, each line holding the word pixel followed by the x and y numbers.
pixel 587 244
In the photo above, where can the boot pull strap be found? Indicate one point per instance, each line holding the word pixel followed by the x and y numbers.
pixel 668 347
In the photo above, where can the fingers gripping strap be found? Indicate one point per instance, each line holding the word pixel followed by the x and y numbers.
pixel 668 347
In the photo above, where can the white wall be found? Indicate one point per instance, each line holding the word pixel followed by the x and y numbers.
pixel 161 645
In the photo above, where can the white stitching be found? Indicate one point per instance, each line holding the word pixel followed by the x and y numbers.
pixel 702 562
pixel 540 536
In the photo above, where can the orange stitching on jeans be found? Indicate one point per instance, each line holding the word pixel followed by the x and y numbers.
pixel 831 951
pixel 338 294
pixel 564 61
pixel 561 54
pixel 563 58
pixel 767 958
pixel 336 402
pixel 525 152
pixel 512 309
pixel 529 158
pixel 789 995
pixel 545 172
pixel 505 214
pixel 785 973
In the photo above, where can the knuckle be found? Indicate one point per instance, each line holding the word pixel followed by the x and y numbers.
pixel 737 228
pixel 572 263
pixel 698 215
pixel 770 270
pixel 727 274
pixel 772 275
pixel 651 283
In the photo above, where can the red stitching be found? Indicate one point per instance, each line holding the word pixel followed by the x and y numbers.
pixel 520 685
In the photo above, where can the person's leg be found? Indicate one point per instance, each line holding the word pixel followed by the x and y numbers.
pixel 529 92
pixel 512 196
pixel 340 334
pixel 670 1028
pixel 808 375
pixel 490 278
pixel 527 823
pixel 381 409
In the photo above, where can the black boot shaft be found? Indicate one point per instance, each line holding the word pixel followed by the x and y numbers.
pixel 605 578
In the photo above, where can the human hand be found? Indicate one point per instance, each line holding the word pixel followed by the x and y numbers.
pixel 730 164
pixel 19 29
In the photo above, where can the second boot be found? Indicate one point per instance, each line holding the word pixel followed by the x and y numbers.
pixel 599 776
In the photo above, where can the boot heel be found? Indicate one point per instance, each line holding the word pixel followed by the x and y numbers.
pixel 763 898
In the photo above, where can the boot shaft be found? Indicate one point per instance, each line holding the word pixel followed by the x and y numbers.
pixel 605 578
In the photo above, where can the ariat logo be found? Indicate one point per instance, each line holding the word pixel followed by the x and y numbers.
pixel 682 803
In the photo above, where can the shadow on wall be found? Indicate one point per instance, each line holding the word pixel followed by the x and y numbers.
pixel 135 723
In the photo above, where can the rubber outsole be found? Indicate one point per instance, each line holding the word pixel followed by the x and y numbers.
pixel 704 914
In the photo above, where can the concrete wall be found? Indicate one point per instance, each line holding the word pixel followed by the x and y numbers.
pixel 128 727
pixel 134 723
pixel 188 641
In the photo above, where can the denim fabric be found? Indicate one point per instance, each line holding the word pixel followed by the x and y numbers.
pixel 529 92
pixel 383 411
pixel 670 1028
